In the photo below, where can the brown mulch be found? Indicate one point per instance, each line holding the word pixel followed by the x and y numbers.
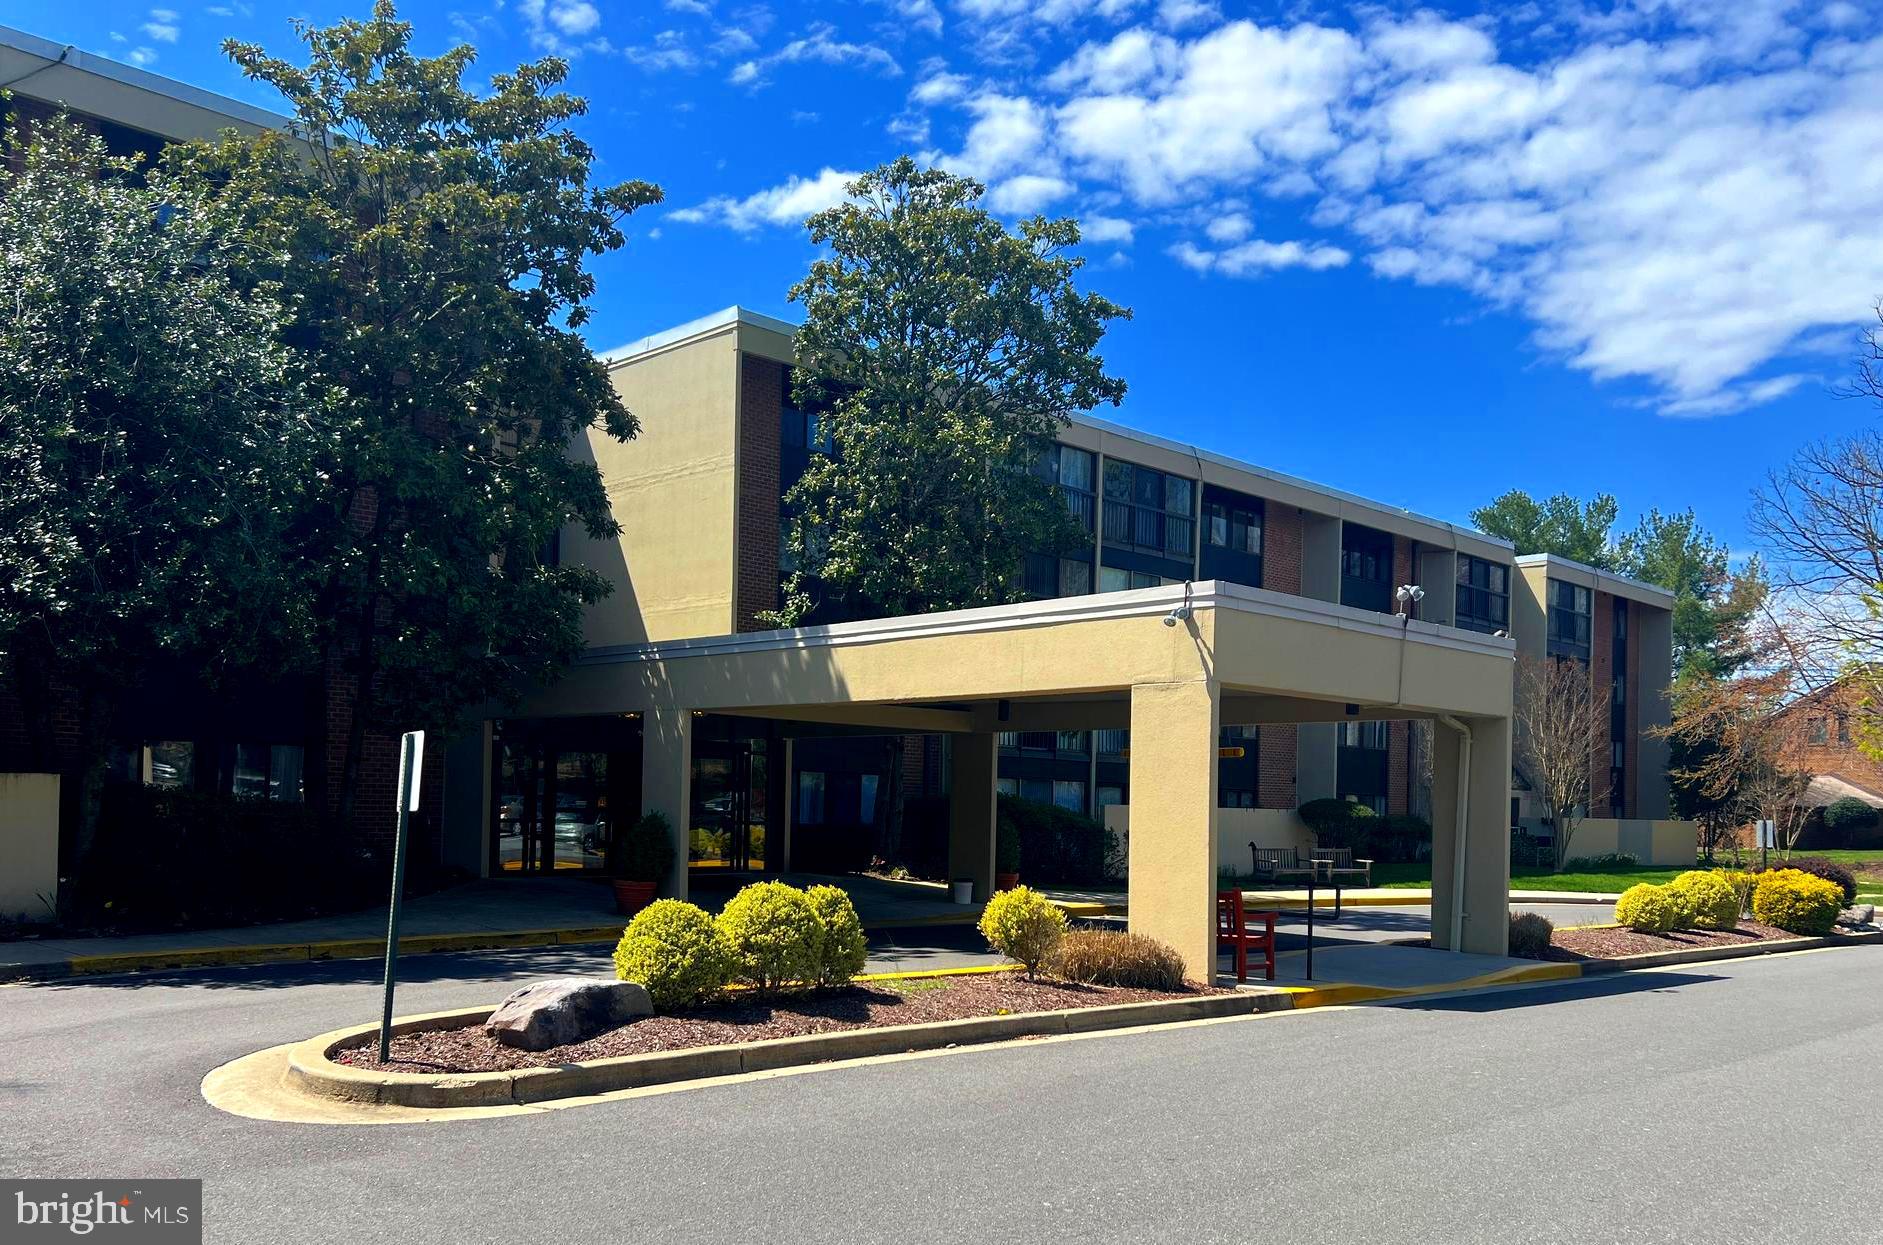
pixel 1608 944
pixel 746 1019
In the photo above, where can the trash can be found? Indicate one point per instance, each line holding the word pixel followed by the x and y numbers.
pixel 964 890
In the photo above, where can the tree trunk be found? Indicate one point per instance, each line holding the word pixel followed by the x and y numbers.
pixel 362 710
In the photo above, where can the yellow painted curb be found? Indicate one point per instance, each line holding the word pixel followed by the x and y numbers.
pixel 1341 994
pixel 920 973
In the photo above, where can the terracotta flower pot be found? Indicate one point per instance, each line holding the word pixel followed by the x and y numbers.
pixel 631 897
pixel 1006 881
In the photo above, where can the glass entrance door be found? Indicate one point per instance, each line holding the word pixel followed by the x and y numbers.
pixel 558 789
pixel 731 804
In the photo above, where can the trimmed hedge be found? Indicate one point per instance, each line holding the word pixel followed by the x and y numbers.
pixel 1795 901
pixel 772 935
pixel 1649 909
pixel 842 947
pixel 675 949
pixel 1338 823
pixel 1023 925
pixel 1831 871
pixel 1055 846
pixel 1715 901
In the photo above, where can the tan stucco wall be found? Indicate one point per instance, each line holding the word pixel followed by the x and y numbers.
pixel 1663 844
pixel 1236 828
pixel 672 490
pixel 29 845
pixel 1529 613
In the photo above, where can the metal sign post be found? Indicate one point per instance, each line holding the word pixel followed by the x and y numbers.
pixel 1768 839
pixel 411 757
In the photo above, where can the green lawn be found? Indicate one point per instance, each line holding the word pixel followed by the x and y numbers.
pixel 1867 865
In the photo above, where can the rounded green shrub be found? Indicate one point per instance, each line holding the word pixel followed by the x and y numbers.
pixel 772 934
pixel 1831 871
pixel 674 949
pixel 842 948
pixel 1530 934
pixel 1715 902
pixel 1338 823
pixel 1647 908
pixel 1023 925
pixel 1849 821
pixel 1796 901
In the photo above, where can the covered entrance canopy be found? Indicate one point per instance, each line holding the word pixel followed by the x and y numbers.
pixel 1170 664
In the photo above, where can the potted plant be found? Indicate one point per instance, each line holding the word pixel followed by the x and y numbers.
pixel 1006 855
pixel 639 859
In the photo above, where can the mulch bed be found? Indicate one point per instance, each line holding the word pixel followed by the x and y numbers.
pixel 1608 944
pixel 744 1019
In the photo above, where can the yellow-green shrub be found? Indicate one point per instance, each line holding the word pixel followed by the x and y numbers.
pixel 674 949
pixel 1742 883
pixel 842 948
pixel 1648 909
pixel 772 935
pixel 1715 902
pixel 1023 925
pixel 1796 901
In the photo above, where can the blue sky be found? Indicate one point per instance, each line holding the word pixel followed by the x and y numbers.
pixel 1425 254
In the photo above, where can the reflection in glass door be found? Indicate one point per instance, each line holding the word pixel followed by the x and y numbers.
pixel 731 804
pixel 556 796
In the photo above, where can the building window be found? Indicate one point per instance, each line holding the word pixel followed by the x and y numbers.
pixel 1047 576
pixel 810 798
pixel 801 430
pixel 1007 786
pixel 1149 510
pixel 1483 594
pixel 1843 730
pixel 1074 472
pixel 1235 797
pixel 1569 620
pixel 1108 796
pixel 1074 742
pixel 1366 568
pixel 1234 528
pixel 1232 537
pixel 268 772
pixel 1363 735
pixel 1820 733
pixel 1069 794
pixel 866 798
pixel 1111 743
pixel 1038 790
pixel 1116 579
pixel 169 763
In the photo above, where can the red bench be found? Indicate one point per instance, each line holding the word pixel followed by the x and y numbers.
pixel 1233 929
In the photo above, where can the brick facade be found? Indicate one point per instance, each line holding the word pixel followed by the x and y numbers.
pixel 1281 553
pixel 1838 707
pixel 1275 746
pixel 763 387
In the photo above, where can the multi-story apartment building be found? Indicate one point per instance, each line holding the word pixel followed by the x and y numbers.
pixel 700 497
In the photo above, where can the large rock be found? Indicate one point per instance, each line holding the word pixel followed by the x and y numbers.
pixel 1858 915
pixel 558 1013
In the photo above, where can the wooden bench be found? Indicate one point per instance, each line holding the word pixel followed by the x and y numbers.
pixel 1275 863
pixel 1233 929
pixel 1338 862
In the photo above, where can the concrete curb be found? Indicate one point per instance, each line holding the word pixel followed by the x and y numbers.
pixel 310 1069
pixel 1704 955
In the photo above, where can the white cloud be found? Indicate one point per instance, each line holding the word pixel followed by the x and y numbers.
pixel 939 88
pixel 1230 227
pixel 1008 136
pixel 1026 194
pixel 819 45
pixel 162 26
pixel 920 15
pixel 696 8
pixel 1256 256
pixel 574 17
pixel 1106 229
pixel 141 56
pixel 1128 60
pixel 1182 14
pixel 668 49
pixel 786 204
pixel 559 26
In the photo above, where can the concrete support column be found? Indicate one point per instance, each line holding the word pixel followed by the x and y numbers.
pixel 1173 819
pixel 972 809
pixel 667 782
pixel 465 813
pixel 1485 900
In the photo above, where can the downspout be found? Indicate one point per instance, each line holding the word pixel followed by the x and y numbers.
pixel 1458 831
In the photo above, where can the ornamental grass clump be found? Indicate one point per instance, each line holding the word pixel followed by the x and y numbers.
pixel 842 948
pixel 674 949
pixel 1530 935
pixel 1023 925
pixel 1103 957
pixel 772 935
pixel 1796 901
pixel 1648 909
pixel 1714 899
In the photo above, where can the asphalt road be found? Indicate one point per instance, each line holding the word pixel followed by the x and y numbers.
pixel 1718 1103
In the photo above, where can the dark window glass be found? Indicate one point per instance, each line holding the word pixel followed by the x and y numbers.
pixel 1483 602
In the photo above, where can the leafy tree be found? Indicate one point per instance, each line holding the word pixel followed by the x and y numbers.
pixel 1558 525
pixel 943 354
pixel 432 242
pixel 153 442
pixel 1712 602
pixel 1560 737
